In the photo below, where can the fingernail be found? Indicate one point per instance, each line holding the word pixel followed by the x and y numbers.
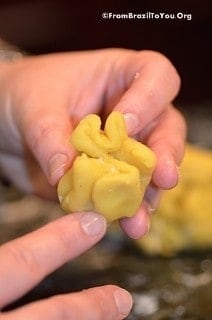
pixel 93 224
pixel 123 301
pixel 172 173
pixel 178 172
pixel 147 226
pixel 152 198
pixel 56 167
pixel 145 222
pixel 132 123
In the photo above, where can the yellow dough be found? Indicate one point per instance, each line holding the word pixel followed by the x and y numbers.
pixel 111 172
pixel 183 219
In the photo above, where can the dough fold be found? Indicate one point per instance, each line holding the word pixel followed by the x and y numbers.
pixel 111 172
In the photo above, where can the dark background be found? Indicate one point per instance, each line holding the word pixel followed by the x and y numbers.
pixel 49 26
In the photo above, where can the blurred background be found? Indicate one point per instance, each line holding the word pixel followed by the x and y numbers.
pixel 170 273
pixel 40 26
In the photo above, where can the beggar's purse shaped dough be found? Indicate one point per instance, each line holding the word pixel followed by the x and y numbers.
pixel 111 172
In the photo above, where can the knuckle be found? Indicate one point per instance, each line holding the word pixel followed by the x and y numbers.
pixel 150 55
pixel 162 61
pixel 174 77
pixel 171 71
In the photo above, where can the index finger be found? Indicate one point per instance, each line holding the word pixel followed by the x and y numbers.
pixel 27 260
pixel 152 83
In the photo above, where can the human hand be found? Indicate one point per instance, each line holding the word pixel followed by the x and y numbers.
pixel 43 98
pixel 27 260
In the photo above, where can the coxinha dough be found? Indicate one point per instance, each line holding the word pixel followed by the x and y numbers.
pixel 110 173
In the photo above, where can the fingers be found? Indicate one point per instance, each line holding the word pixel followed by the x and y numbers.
pixel 100 303
pixel 37 116
pixel 138 225
pixel 152 83
pixel 47 134
pixel 27 260
pixel 41 116
pixel 166 137
pixel 167 140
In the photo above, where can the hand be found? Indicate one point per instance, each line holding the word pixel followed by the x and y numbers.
pixel 43 98
pixel 27 260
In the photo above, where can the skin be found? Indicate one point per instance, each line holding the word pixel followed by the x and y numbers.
pixel 34 258
pixel 43 98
